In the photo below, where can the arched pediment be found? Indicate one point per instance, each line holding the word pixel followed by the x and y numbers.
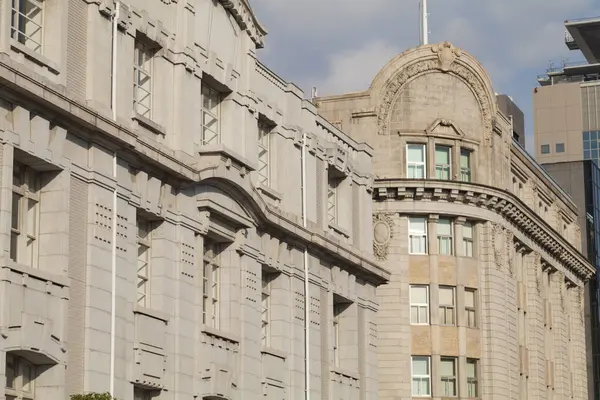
pixel 442 58
pixel 444 127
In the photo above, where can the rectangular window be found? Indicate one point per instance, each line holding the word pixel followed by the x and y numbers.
pixel 142 79
pixel 472 378
pixel 419 305
pixel 20 378
pixel 143 268
pixel 267 278
pixel 142 394
pixel 545 149
pixel 415 161
pixel 447 305
pixel 470 310
pixel 25 215
pixel 264 147
pixel 421 377
pixel 442 162
pixel 338 309
pixel 417 233
pixel 27 23
pixel 465 165
pixel 467 231
pixel 211 283
pixel 448 376
pixel 444 236
pixel 332 200
pixel 211 104
pixel 560 147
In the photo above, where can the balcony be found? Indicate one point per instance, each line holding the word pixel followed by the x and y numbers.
pixel 570 42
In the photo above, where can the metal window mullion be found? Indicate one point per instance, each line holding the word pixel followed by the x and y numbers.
pixel 22 223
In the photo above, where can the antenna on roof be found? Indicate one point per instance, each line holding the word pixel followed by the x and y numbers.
pixel 424 33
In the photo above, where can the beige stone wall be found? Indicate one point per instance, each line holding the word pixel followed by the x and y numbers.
pixel 524 333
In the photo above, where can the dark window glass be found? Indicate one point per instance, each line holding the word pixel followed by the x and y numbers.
pixel 545 148
pixel 560 147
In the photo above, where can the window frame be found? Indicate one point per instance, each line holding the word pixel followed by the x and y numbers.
pixel 17 390
pixel 417 234
pixel 445 380
pixel 472 382
pixel 333 185
pixel 468 242
pixel 419 306
pixel 213 96
pixel 562 147
pixel 444 308
pixel 466 172
pixel 441 168
pixel 143 279
pixel 264 153
pixel 267 281
pixel 445 237
pixel 211 283
pixel 143 65
pixel 422 164
pixel 24 244
pixel 471 311
pixel 337 311
pixel 545 149
pixel 16 32
pixel 421 378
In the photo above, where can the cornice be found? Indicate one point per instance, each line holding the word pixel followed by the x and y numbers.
pixel 247 20
pixel 505 204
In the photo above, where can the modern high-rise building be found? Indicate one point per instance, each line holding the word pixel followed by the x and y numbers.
pixel 176 222
pixel 567 134
pixel 566 105
pixel 508 108
pixel 486 297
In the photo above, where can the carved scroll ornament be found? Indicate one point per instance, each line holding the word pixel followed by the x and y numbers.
pixel 382 234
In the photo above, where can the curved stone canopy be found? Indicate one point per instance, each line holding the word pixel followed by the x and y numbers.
pixel 457 72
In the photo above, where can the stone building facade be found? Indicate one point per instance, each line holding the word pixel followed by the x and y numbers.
pixel 486 294
pixel 176 221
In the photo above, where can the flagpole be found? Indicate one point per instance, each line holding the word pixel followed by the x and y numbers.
pixel 424 29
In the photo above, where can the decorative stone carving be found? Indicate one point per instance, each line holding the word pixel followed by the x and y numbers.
pixel 446 53
pixel 499 245
pixel 445 62
pixel 382 234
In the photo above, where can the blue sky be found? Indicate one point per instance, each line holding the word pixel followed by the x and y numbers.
pixel 339 45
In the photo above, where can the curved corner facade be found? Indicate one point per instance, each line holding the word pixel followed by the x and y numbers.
pixel 173 228
pixel 487 288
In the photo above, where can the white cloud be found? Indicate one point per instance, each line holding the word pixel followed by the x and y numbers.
pixel 353 70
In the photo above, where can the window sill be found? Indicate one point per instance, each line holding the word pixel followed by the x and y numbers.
pixel 423 324
pixel 230 337
pixel 33 56
pixel 137 309
pixel 339 230
pixel 345 373
pixel 272 352
pixel 149 124
pixel 418 254
pixel 36 273
pixel 267 191
pixel 223 152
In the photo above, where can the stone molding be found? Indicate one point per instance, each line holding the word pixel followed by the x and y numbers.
pixel 505 204
pixel 246 19
pixel 447 59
